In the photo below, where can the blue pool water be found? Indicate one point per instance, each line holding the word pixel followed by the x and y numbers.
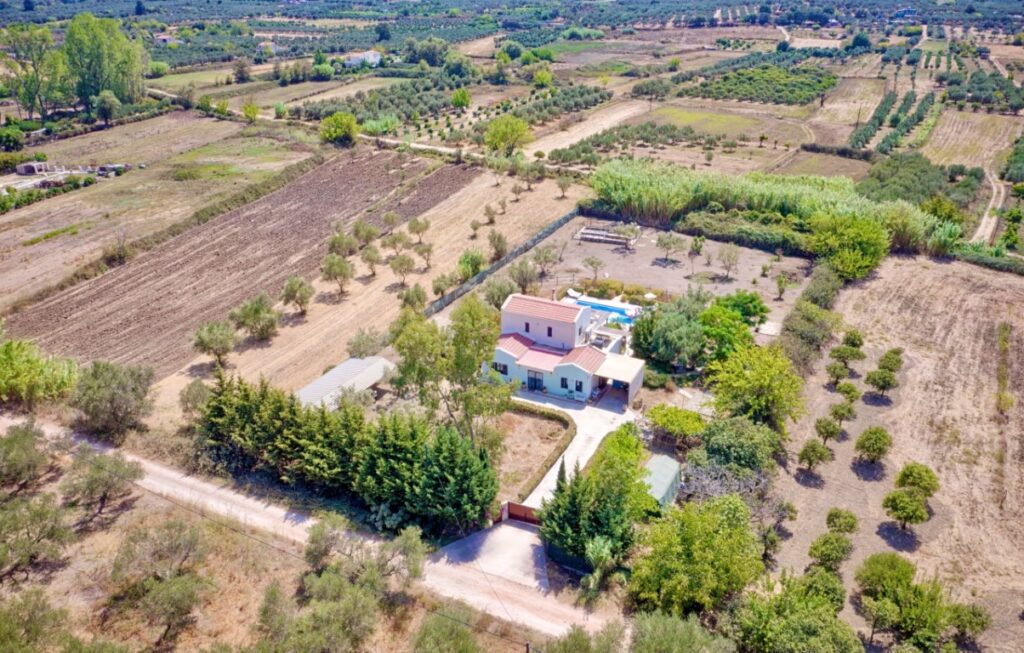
pixel 620 314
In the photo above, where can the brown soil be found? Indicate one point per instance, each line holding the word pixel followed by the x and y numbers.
pixel 598 120
pixel 945 316
pixel 144 311
pixel 528 440
pixel 140 202
pixel 304 347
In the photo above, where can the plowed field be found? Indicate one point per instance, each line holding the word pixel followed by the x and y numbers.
pixel 144 311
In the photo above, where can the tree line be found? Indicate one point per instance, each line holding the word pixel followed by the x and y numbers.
pixel 95 65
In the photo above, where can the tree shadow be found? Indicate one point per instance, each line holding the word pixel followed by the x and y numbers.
pixel 901 539
pixel 395 287
pixel 868 471
pixel 292 319
pixel 809 479
pixel 331 298
pixel 662 262
pixel 876 399
pixel 202 370
pixel 252 343
pixel 366 279
pixel 93 523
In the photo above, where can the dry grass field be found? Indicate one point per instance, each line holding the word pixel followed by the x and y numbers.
pixel 481 48
pixel 943 414
pixel 239 566
pixel 810 163
pixel 207 78
pixel 852 100
pixel 973 139
pixel 190 161
pixel 346 90
pixel 527 442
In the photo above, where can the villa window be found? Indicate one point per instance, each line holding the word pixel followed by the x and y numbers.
pixel 565 383
pixel 579 386
pixel 527 327
pixel 549 332
pixel 500 368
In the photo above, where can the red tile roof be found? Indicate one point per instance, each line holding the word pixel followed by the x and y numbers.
pixel 587 357
pixel 514 344
pixel 540 358
pixel 541 308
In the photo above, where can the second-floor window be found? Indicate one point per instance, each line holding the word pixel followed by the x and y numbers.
pixel 500 368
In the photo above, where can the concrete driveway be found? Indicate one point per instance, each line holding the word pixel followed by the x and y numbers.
pixel 593 422
pixel 511 550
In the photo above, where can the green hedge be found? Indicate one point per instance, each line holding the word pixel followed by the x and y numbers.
pixel 769 238
pixel 1001 263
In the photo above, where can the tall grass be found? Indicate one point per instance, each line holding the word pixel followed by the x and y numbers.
pixel 660 193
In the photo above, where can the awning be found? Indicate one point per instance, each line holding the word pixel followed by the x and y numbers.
pixel 621 368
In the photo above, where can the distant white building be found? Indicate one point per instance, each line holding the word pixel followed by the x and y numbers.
pixel 354 374
pixel 560 348
pixel 371 58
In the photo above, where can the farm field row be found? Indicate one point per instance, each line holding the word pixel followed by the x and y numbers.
pixel 206 271
pixel 191 162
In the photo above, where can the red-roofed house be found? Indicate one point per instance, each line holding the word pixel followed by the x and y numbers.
pixel 546 346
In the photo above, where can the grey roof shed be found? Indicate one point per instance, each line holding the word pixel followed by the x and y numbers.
pixel 355 373
pixel 662 478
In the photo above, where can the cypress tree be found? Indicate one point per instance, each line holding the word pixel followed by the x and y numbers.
pixel 458 484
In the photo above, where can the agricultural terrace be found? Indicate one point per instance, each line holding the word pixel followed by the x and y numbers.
pixel 945 419
pixel 190 163
pixel 206 79
pixel 825 165
pixel 199 271
pixel 974 139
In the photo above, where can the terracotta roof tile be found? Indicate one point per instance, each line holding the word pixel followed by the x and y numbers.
pixel 587 357
pixel 541 308
pixel 515 344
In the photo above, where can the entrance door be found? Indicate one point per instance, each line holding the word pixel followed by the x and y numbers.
pixel 534 380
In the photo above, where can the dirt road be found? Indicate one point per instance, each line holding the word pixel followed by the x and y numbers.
pixel 987 227
pixel 462 580
pixel 603 118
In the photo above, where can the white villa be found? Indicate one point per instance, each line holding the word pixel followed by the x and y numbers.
pixel 563 349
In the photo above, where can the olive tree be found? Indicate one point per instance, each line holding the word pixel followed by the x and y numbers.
pixel 813 454
pixel 215 339
pixel 337 270
pixel 256 316
pixel 112 398
pixel 94 479
pixel 297 291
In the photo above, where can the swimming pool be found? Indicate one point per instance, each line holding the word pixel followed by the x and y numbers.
pixel 619 313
